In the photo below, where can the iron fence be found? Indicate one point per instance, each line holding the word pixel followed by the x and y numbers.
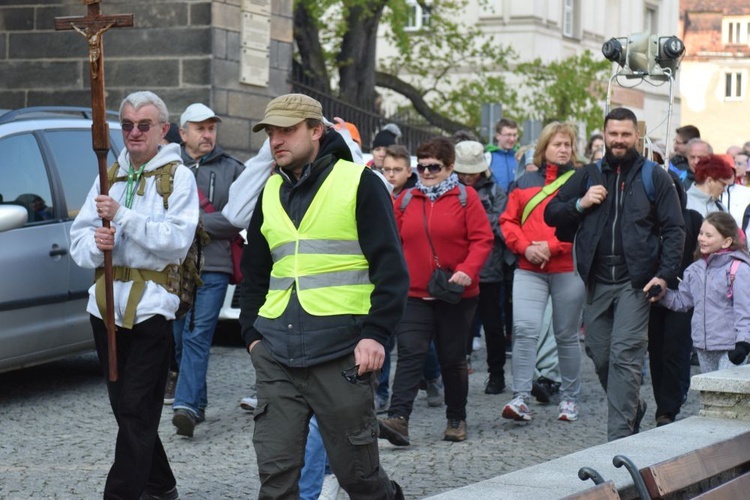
pixel 368 123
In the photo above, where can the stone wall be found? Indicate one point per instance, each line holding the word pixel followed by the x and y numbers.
pixel 184 50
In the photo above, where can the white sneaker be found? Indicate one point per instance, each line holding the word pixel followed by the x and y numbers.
pixel 568 411
pixel 249 403
pixel 517 409
pixel 476 344
pixel 330 489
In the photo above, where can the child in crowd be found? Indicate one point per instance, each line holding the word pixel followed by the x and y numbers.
pixel 717 286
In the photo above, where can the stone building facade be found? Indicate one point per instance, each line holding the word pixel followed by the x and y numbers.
pixel 184 50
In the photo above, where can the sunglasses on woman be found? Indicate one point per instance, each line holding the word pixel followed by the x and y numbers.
pixel 433 168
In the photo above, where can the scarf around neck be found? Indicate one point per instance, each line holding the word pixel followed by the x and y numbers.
pixel 435 192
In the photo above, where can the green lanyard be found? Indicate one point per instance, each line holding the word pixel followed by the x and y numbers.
pixel 133 178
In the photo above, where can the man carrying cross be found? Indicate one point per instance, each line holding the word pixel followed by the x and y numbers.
pixel 145 236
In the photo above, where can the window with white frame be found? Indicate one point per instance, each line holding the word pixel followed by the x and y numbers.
pixel 734 85
pixel 735 30
pixel 651 19
pixel 568 18
pixel 418 18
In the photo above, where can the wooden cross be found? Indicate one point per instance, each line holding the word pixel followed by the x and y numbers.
pixel 92 27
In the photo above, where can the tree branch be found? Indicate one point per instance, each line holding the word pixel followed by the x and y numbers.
pixel 394 83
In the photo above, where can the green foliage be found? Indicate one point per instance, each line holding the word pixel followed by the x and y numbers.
pixel 455 67
pixel 566 90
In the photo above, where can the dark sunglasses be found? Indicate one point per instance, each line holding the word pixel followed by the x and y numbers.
pixel 351 374
pixel 433 168
pixel 128 126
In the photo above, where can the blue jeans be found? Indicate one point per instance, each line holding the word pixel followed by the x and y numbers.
pixel 192 347
pixel 431 368
pixel 316 463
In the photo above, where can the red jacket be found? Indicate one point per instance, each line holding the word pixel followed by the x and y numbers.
pixel 518 237
pixel 461 235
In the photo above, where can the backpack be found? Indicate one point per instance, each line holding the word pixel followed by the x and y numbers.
pixel 181 279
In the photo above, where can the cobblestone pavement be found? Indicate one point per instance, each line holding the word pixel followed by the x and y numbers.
pixel 57 434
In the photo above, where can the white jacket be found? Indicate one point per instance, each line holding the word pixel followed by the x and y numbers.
pixel 147 236
pixel 736 198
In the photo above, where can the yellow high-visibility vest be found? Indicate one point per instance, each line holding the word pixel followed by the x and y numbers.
pixel 322 258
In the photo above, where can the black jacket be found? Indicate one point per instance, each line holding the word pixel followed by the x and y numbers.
pixel 493 200
pixel 652 234
pixel 297 338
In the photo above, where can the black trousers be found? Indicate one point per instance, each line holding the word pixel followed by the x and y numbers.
pixel 488 310
pixel 669 347
pixel 449 325
pixel 137 399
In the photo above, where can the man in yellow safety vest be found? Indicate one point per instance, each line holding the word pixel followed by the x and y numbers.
pixel 325 283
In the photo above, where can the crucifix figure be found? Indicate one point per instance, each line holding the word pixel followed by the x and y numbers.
pixel 92 27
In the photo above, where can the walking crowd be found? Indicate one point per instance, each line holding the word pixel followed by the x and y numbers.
pixel 347 263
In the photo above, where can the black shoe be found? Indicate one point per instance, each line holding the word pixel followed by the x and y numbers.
pixel 639 413
pixel 541 390
pixel 495 384
pixel 663 420
pixel 184 421
pixel 167 495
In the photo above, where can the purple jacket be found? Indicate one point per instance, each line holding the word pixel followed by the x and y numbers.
pixel 719 322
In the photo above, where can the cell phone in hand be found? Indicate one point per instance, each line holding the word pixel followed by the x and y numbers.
pixel 653 291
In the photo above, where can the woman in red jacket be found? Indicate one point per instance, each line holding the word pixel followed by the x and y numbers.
pixel 545 270
pixel 442 223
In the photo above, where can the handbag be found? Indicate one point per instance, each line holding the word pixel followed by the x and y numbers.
pixel 236 246
pixel 439 287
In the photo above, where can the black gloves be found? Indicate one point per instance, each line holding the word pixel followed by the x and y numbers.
pixel 739 353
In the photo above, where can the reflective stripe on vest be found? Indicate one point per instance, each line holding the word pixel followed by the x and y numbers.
pixel 322 258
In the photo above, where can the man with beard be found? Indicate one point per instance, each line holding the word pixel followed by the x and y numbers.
pixel 625 216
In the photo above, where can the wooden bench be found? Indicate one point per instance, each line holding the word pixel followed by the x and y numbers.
pixel 603 491
pixel 693 468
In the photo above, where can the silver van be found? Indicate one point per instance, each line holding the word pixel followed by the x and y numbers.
pixel 46 169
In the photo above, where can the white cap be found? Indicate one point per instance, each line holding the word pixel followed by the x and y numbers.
pixel 196 113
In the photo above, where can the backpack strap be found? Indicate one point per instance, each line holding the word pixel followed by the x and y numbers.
pixel 647 178
pixel 462 194
pixel 543 194
pixel 462 197
pixel 406 199
pixel 164 181
pixel 732 273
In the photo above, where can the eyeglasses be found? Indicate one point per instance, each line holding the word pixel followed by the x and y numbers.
pixel 433 168
pixel 351 374
pixel 128 126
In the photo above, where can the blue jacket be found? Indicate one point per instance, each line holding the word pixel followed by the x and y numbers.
pixel 719 321
pixel 504 167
